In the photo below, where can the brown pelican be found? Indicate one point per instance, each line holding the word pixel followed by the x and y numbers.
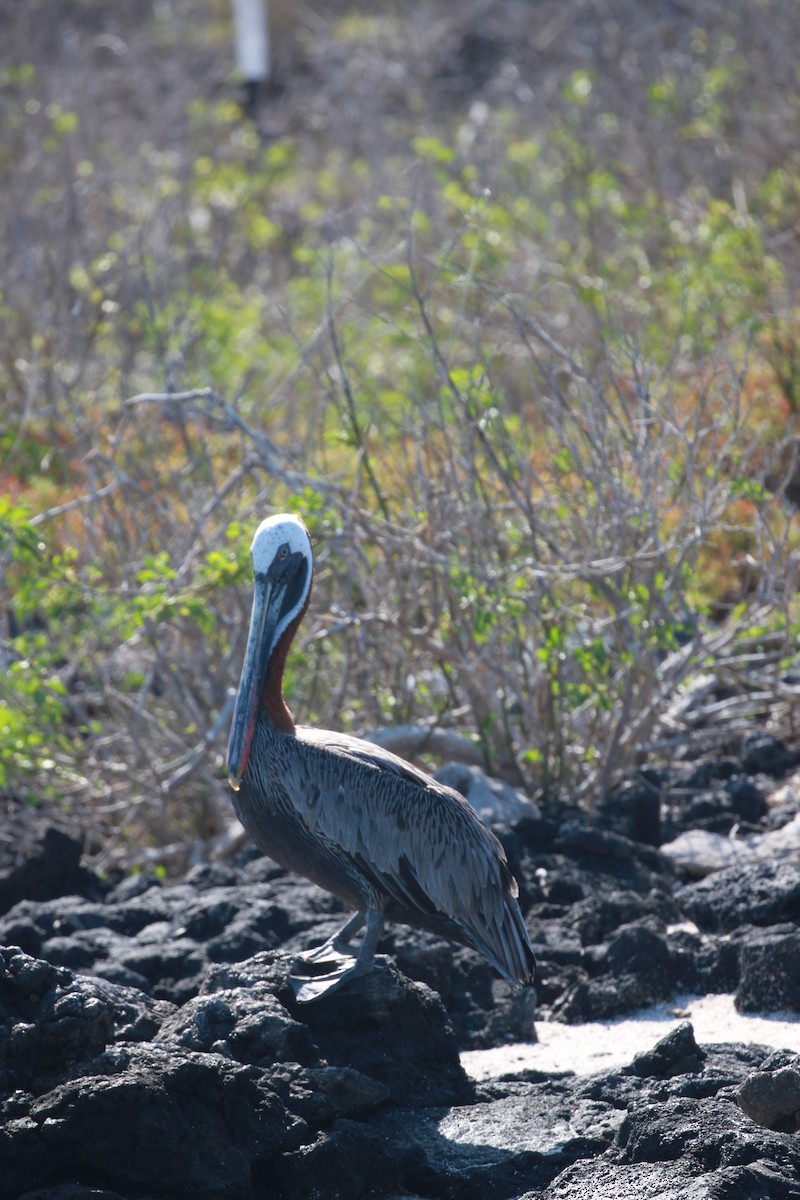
pixel 384 837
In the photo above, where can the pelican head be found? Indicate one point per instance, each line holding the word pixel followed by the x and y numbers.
pixel 282 566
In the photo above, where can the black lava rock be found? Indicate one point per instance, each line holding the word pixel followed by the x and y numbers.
pixel 770 1096
pixel 676 1054
pixel 766 755
pixel 769 971
pixel 764 893
pixel 127 1094
pixel 151 1046
pixel 51 867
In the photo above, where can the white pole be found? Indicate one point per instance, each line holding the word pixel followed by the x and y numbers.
pixel 252 40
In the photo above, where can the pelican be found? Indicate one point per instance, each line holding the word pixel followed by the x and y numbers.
pixel 383 836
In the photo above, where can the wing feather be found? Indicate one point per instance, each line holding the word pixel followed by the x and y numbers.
pixel 415 840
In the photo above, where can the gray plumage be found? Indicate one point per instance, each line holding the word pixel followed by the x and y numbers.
pixel 383 836
pixel 379 834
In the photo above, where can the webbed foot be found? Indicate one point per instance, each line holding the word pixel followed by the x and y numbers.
pixel 307 988
pixel 335 952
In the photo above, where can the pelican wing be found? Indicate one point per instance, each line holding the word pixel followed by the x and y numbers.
pixel 414 839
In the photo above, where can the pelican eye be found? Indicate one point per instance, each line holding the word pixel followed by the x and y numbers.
pixel 283 552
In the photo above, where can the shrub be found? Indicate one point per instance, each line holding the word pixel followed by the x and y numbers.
pixel 537 407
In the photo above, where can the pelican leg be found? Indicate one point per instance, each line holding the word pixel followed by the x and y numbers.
pixel 312 987
pixel 370 941
pixel 336 946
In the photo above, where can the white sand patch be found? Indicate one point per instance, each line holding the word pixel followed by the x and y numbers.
pixel 603 1045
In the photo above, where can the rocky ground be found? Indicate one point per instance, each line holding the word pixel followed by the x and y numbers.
pixel 150 1045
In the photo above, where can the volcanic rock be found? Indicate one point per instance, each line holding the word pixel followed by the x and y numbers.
pixel 771 1095
pixel 151 1046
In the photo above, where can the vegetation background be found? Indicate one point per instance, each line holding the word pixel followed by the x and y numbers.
pixel 501 297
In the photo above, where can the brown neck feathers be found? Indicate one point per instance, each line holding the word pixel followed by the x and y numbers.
pixel 273 705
